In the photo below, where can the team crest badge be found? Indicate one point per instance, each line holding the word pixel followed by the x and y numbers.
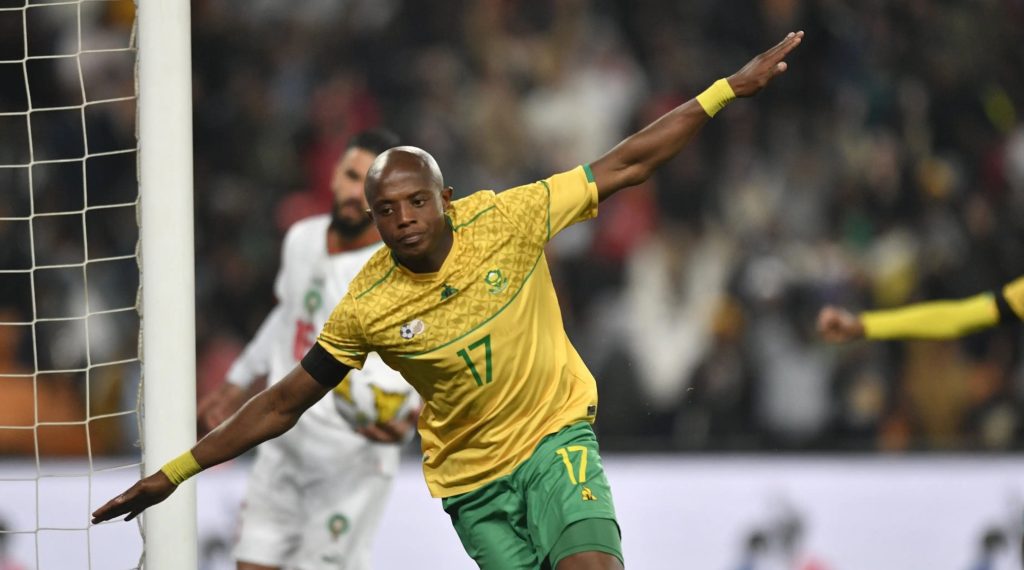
pixel 337 525
pixel 312 301
pixel 496 280
pixel 412 328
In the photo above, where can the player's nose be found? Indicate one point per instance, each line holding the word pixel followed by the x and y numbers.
pixel 404 215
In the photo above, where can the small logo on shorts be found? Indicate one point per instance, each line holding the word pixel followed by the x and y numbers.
pixel 592 410
pixel 412 328
pixel 588 495
pixel 337 525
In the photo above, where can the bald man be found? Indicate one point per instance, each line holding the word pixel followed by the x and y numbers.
pixel 461 303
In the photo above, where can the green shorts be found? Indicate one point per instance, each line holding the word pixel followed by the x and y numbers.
pixel 523 519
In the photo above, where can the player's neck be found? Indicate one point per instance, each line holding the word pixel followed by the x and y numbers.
pixel 337 243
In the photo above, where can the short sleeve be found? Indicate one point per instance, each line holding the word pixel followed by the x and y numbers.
pixel 281 281
pixel 342 336
pixel 254 361
pixel 1013 295
pixel 542 209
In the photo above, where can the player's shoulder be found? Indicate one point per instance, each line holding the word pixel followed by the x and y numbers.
pixel 309 228
pixel 468 210
pixel 375 272
pixel 305 239
pixel 307 235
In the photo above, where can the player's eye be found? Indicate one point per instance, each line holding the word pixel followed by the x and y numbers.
pixel 418 202
pixel 384 210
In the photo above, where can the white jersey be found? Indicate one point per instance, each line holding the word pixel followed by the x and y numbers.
pixel 322 455
pixel 308 286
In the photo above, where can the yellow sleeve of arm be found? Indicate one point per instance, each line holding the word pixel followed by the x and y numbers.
pixel 1013 293
pixel 933 320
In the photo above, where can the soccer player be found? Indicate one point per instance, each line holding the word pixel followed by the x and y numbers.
pixel 317 493
pixel 462 304
pixel 937 320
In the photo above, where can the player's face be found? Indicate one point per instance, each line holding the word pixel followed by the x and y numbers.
pixel 349 215
pixel 409 211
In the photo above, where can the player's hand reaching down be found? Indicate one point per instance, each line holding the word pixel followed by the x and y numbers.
pixel 139 497
pixel 836 324
pixel 756 74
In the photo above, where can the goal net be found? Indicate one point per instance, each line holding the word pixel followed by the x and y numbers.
pixel 72 421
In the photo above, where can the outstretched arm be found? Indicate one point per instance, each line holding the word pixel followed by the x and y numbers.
pixel 268 415
pixel 932 320
pixel 633 160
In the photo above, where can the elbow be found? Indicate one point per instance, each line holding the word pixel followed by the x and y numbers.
pixel 282 416
pixel 634 174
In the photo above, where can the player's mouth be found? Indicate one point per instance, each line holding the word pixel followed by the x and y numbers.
pixel 411 239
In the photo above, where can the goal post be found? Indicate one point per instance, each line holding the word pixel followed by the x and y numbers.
pixel 168 289
pixel 96 278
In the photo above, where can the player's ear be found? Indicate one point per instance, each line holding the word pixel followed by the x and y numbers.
pixel 446 197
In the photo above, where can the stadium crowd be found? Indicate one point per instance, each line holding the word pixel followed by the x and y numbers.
pixel 887 166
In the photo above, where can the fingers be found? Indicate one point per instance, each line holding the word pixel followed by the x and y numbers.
pixel 397 428
pixel 376 432
pixel 112 509
pixel 788 44
pixel 389 432
pixel 136 499
pixel 826 322
pixel 836 324
pixel 215 417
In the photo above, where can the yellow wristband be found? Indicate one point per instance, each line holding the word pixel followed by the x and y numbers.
pixel 716 97
pixel 181 468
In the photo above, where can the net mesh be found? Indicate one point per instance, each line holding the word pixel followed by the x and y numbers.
pixel 69 281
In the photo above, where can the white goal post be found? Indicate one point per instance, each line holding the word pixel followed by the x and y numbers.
pixel 168 290
pixel 96 279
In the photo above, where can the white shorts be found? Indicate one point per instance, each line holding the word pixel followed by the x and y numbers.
pixel 315 498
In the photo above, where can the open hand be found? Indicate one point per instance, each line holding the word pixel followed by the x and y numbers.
pixel 395 431
pixel 763 68
pixel 836 324
pixel 139 497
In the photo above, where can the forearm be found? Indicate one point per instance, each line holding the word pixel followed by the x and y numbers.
pixel 932 320
pixel 266 416
pixel 633 160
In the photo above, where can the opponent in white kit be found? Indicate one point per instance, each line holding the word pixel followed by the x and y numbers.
pixel 316 494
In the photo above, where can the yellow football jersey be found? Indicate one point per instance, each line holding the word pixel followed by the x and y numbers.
pixel 482 339
pixel 1013 292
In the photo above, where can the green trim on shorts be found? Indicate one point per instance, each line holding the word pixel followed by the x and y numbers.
pixel 587 535
pixel 517 520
